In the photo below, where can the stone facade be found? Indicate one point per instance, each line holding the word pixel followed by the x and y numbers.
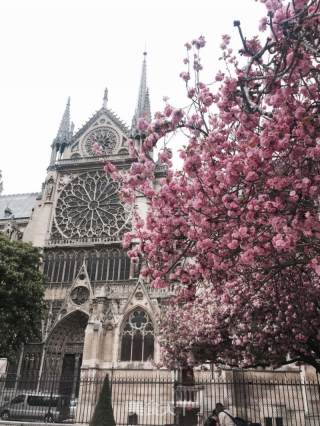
pixel 100 315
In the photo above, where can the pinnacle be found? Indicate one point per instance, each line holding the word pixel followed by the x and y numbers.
pixel 105 99
pixel 64 130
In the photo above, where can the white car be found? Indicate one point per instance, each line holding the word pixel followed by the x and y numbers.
pixel 45 407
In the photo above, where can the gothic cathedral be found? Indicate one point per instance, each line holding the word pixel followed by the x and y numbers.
pixel 100 315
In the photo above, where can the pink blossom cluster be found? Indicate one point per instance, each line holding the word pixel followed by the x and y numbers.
pixel 237 230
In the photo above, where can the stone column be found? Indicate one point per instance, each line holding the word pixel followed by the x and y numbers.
pixel 107 343
pixel 91 343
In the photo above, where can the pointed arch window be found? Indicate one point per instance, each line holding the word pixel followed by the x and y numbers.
pixel 137 340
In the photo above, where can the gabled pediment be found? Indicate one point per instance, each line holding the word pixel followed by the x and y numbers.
pixel 104 128
pixel 111 119
pixel 78 297
pixel 82 281
pixel 140 298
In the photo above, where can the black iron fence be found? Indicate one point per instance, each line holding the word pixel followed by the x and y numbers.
pixel 150 398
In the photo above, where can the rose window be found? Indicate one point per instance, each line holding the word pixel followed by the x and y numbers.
pixel 89 207
pixel 103 136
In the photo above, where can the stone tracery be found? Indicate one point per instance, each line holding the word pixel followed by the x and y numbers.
pixel 103 136
pixel 107 264
pixel 89 207
pixel 80 295
pixel 137 342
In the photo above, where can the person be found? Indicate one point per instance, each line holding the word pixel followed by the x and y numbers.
pixel 225 418
pixel 212 419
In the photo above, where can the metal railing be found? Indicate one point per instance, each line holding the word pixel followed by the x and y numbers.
pixel 150 398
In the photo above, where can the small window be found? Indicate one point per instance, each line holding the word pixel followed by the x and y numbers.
pixel 35 401
pixel 18 399
pixel 50 402
pixel 42 401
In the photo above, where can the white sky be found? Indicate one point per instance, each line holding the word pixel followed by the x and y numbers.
pixel 52 49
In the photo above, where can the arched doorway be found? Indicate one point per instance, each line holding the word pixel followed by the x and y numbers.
pixel 63 355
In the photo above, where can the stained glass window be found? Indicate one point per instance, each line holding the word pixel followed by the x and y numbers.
pixel 137 340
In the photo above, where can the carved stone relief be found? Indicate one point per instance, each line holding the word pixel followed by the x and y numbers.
pixel 63 181
pixel 80 295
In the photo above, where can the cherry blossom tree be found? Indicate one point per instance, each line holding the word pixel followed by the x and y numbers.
pixel 236 231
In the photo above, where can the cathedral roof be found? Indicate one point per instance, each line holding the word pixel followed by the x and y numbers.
pixel 17 205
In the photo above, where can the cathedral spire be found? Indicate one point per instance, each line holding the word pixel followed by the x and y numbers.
pixel 143 104
pixel 63 136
